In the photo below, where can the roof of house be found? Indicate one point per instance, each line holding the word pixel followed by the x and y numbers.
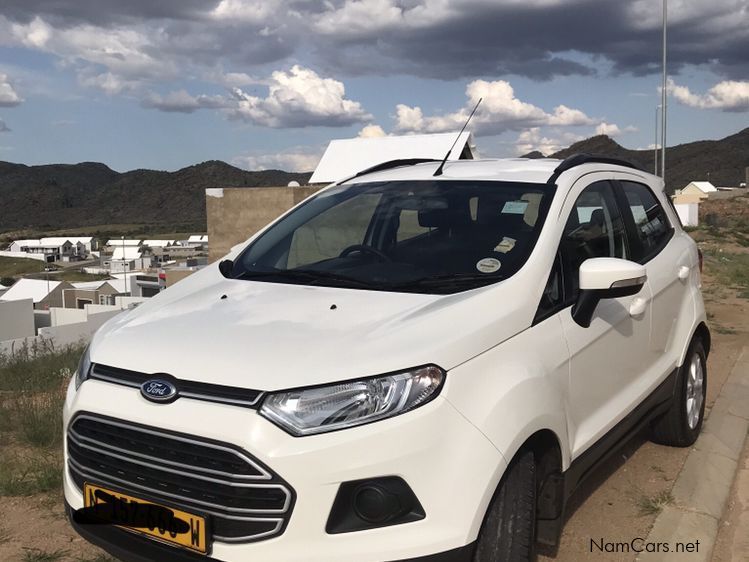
pixel 121 242
pixel 158 243
pixel 126 253
pixel 198 238
pixel 704 186
pixel 89 285
pixel 121 285
pixel 26 242
pixel 36 289
pixel 53 241
pixel 345 157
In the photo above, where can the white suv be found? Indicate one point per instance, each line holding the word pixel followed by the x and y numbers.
pixel 413 364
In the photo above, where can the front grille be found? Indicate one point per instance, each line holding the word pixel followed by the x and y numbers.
pixel 189 389
pixel 245 500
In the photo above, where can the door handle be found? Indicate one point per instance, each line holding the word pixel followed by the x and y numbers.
pixel 637 306
pixel 683 273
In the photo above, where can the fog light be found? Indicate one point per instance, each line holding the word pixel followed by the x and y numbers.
pixel 374 504
pixel 371 503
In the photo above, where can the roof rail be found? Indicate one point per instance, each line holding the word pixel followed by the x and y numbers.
pixel 387 166
pixel 585 158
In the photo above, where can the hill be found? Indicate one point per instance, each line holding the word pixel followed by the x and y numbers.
pixel 725 160
pixel 60 196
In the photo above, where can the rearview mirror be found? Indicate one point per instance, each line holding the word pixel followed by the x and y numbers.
pixel 226 267
pixel 605 278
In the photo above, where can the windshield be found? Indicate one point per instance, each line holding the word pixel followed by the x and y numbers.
pixel 409 236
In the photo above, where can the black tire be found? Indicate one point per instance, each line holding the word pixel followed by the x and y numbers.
pixel 508 533
pixel 673 427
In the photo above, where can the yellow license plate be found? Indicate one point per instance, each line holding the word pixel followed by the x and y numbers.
pixel 166 524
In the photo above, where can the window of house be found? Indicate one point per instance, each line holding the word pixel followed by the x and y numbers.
pixel 651 223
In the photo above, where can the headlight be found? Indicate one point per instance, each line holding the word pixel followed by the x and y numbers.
pixel 84 368
pixel 306 411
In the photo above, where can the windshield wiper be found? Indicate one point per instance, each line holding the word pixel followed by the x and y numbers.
pixel 309 275
pixel 447 281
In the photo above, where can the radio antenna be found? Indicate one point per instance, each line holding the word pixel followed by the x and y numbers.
pixel 442 164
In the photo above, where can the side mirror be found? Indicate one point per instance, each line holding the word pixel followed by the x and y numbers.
pixel 226 267
pixel 605 278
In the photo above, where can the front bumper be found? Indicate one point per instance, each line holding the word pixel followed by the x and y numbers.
pixel 450 466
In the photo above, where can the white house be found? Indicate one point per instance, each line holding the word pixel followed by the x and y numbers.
pixel 43 293
pixel 129 258
pixel 120 242
pixel 22 245
pixel 700 188
pixel 345 157
pixel 159 243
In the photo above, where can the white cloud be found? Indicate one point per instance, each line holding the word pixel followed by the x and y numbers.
pixel 3 127
pixel 246 11
pixel 299 98
pixel 499 111
pixel 371 131
pixel 532 140
pixel 610 129
pixel 183 102
pixel 299 159
pixel 8 96
pixel 729 95
pixel 108 83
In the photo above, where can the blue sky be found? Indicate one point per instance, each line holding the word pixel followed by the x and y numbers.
pixel 267 83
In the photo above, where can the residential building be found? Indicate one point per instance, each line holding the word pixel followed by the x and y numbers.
pixel 118 242
pixel 346 157
pixel 236 213
pixel 703 189
pixel 43 293
pixel 90 292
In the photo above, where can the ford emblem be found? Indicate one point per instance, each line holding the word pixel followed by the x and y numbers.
pixel 158 390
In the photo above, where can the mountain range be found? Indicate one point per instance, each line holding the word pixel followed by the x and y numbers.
pixel 722 162
pixel 58 196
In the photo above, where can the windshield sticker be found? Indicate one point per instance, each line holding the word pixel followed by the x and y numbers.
pixel 505 245
pixel 488 265
pixel 515 208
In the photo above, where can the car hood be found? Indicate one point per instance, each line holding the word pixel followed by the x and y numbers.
pixel 271 336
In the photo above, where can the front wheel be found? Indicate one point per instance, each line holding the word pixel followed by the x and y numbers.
pixel 681 424
pixel 508 533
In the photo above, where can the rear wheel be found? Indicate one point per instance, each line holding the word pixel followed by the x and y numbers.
pixel 681 424
pixel 508 533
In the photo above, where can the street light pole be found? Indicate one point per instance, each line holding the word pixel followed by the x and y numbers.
pixel 124 273
pixel 656 145
pixel 664 93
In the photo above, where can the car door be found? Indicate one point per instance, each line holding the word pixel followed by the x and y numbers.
pixel 606 358
pixel 668 261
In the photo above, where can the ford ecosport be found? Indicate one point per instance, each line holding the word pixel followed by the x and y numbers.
pixel 405 366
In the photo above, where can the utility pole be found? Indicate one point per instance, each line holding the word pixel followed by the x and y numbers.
pixel 664 93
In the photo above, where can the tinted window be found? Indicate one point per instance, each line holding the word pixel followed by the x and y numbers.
pixel 422 236
pixel 651 223
pixel 595 229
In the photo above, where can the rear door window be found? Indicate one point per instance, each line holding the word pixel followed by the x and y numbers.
pixel 651 223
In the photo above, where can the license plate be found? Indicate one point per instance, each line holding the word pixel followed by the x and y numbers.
pixel 172 526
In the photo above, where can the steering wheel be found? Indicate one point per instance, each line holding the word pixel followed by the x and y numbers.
pixel 364 249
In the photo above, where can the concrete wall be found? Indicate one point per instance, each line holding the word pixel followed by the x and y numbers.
pixel 727 194
pixel 234 214
pixel 37 257
pixel 16 319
